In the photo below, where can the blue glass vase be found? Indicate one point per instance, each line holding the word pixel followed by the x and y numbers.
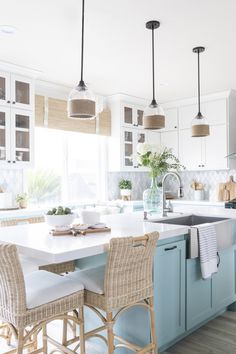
pixel 152 198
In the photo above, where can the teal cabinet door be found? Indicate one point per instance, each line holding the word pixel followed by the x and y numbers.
pixel 199 294
pixel 223 283
pixel 169 291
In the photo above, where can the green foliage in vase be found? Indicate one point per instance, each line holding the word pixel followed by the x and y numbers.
pixel 158 159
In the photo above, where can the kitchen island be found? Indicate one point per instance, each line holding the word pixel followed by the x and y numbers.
pixel 183 301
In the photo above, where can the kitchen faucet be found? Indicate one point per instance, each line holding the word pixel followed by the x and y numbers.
pixel 180 191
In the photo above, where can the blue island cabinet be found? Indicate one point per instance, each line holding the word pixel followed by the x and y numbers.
pixel 169 291
pixel 206 298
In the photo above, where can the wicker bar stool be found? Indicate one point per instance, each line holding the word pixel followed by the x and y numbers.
pixel 29 304
pixel 124 282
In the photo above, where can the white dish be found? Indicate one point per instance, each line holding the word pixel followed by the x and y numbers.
pixel 59 220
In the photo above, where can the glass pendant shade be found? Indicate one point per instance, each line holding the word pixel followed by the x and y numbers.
pixel 154 116
pixel 81 103
pixel 200 126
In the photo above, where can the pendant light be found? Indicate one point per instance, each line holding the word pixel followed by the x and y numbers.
pixel 153 117
pixel 81 100
pixel 200 126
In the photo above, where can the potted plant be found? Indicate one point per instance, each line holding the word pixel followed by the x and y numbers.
pixel 59 217
pixel 22 200
pixel 125 186
pixel 159 159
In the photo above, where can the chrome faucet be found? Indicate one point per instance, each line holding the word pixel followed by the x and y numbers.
pixel 180 191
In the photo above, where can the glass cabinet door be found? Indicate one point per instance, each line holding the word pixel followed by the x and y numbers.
pixel 4 135
pixel 128 148
pixel 22 136
pixel 139 117
pixel 21 92
pixel 4 88
pixel 128 115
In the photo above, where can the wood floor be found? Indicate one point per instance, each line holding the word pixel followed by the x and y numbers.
pixel 216 337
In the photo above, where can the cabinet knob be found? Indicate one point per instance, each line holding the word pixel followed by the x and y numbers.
pixel 8 101
pixel 14 161
pixel 175 127
pixel 9 161
pixel 13 102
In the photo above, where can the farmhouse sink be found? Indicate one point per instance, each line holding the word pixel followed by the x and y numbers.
pixel 225 231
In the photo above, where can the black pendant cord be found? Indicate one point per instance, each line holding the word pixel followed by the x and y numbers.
pixel 199 84
pixel 82 48
pixel 153 68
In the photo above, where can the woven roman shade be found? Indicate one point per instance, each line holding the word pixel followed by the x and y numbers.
pixel 39 111
pixel 56 117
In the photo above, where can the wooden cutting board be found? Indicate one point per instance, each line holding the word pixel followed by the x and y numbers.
pixel 227 191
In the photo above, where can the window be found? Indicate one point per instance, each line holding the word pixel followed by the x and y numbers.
pixel 67 168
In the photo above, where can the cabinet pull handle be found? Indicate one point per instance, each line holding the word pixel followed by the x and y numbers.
pixel 13 102
pixel 14 161
pixel 9 161
pixel 170 248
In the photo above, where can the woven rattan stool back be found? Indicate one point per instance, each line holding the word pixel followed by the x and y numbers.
pixel 128 275
pixel 12 286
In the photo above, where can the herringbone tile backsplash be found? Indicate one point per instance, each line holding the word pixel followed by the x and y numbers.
pixel 141 181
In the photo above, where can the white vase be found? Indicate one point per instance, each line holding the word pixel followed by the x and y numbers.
pixel 199 195
pixel 125 194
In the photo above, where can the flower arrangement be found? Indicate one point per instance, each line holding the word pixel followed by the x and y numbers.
pixel 158 158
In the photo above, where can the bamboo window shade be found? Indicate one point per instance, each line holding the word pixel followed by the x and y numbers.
pixel 57 118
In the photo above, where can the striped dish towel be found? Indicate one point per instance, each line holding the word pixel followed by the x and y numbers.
pixel 208 250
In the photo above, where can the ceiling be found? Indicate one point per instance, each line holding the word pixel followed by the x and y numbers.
pixel 118 47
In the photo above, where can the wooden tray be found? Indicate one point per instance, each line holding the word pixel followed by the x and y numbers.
pixel 73 232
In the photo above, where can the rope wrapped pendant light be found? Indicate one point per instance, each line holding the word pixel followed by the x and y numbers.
pixel 200 126
pixel 154 117
pixel 81 100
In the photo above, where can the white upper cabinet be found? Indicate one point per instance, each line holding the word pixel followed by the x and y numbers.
pixel 153 137
pixel 186 115
pixel 216 148
pixel 5 131
pixel 195 153
pixel 171 141
pixel 131 115
pixel 16 91
pixel 215 111
pixel 22 92
pixel 190 150
pixel 16 120
pixel 5 88
pixel 171 119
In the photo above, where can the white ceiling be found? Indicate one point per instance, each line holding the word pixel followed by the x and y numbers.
pixel 118 47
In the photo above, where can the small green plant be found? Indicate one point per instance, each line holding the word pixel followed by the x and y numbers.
pixel 23 197
pixel 125 184
pixel 59 211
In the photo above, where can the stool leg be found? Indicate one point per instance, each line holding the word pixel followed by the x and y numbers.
pixel 20 342
pixel 153 326
pixel 45 341
pixel 110 334
pixel 81 330
pixel 64 331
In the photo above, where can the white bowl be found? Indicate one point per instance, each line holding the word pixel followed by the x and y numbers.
pixel 59 220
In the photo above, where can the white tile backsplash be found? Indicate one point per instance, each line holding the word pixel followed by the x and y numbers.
pixel 141 181
pixel 11 181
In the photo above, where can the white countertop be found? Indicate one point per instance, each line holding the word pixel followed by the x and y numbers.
pixel 33 240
